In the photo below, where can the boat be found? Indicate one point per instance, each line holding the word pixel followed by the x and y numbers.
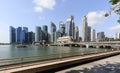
pixel 21 46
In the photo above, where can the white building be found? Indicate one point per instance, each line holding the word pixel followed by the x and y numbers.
pixel 84 29
pixel 65 39
pixel 117 36
pixel 93 35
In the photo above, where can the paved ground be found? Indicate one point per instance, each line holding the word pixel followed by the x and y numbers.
pixel 108 65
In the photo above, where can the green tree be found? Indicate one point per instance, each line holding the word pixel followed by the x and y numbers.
pixel 116 8
pixel 113 2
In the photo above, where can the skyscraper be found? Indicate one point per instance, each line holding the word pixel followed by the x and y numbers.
pixel 84 29
pixel 100 36
pixel 76 33
pixel 38 34
pixel 26 34
pixel 93 35
pixel 12 33
pixel 18 31
pixel 30 37
pixel 62 28
pixel 53 30
pixel 22 37
pixel 45 33
pixel 57 35
pixel 70 27
pixel 89 34
pixel 117 36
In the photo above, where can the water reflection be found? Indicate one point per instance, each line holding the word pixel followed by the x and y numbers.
pixel 11 51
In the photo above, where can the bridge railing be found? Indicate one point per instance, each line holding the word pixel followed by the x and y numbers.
pixel 42 58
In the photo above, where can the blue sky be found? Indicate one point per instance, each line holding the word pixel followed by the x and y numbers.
pixel 31 13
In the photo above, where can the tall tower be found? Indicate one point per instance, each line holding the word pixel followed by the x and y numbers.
pixel 76 33
pixel 38 34
pixel 93 35
pixel 84 29
pixel 12 32
pixel 45 33
pixel 88 34
pixel 25 29
pixel 70 27
pixel 62 28
pixel 53 30
pixel 18 31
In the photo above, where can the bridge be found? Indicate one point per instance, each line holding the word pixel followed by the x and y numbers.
pixel 106 44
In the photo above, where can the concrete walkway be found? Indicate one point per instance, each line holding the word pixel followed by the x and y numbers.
pixel 108 65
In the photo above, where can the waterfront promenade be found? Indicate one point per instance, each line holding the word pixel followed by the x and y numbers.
pixel 107 65
pixel 56 63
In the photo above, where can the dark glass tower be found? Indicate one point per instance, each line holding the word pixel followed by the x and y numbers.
pixel 53 30
pixel 62 28
pixel 45 33
pixel 12 36
pixel 18 31
pixel 25 29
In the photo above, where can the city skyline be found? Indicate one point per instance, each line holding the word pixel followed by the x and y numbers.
pixel 41 12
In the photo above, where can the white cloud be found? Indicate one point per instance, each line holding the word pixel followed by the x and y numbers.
pixel 96 18
pixel 117 27
pixel 41 4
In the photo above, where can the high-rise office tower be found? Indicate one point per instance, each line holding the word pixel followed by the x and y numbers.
pixel 70 27
pixel 18 31
pixel 117 36
pixel 57 35
pixel 45 33
pixel 30 37
pixel 53 30
pixel 89 34
pixel 93 35
pixel 62 28
pixel 84 29
pixel 38 34
pixel 12 33
pixel 22 37
pixel 100 36
pixel 26 34
pixel 76 33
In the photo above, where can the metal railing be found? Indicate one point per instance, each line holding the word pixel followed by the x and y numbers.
pixel 42 58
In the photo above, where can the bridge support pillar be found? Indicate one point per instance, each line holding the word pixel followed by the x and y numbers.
pixel 87 46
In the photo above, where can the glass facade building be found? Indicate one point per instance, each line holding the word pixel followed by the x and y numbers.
pixel 38 34
pixel 62 28
pixel 53 30
pixel 12 35
pixel 18 31
pixel 70 27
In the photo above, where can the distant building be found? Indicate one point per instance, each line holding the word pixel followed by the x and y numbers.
pixel 100 36
pixel 45 33
pixel 53 30
pixel 84 29
pixel 88 34
pixel 70 25
pixel 62 28
pixel 38 34
pixel 57 35
pixel 12 33
pixel 22 37
pixel 93 35
pixel 117 36
pixel 76 34
pixel 18 31
pixel 65 39
pixel 26 34
pixel 30 37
